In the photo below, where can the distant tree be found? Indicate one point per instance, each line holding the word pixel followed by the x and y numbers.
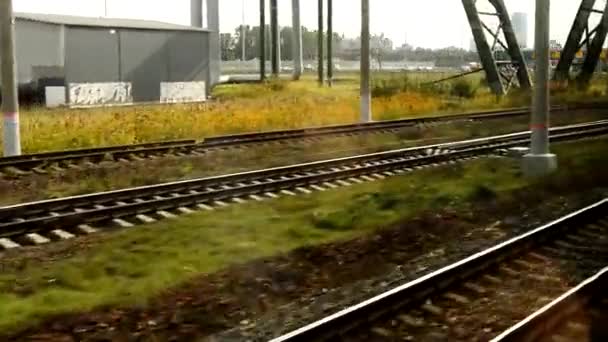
pixel 382 48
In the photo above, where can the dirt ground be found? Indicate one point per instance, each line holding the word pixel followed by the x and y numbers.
pixel 264 298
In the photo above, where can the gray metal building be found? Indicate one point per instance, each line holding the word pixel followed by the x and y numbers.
pixel 97 61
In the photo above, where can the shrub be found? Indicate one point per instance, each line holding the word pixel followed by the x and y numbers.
pixel 464 89
pixel 482 193
pixel 391 86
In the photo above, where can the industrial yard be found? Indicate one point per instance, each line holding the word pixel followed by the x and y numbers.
pixel 182 180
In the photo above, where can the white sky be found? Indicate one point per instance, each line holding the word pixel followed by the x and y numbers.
pixel 426 23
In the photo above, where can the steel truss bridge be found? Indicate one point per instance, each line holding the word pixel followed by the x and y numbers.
pixel 494 36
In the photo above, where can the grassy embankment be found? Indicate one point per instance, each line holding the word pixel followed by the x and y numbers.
pixel 244 108
pixel 130 266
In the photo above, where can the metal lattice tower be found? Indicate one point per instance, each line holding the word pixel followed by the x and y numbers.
pixel 501 74
pixel 593 42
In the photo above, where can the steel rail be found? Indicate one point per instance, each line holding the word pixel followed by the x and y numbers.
pixel 546 321
pixel 262 175
pixel 48 215
pixel 39 161
pixel 415 292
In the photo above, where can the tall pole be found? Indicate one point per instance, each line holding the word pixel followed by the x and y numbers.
pixel 320 44
pixel 297 40
pixel 10 102
pixel 366 98
pixel 330 36
pixel 243 34
pixel 540 161
pixel 196 13
pixel 274 36
pixel 215 52
pixel 262 40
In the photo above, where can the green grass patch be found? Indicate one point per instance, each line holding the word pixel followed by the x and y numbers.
pixel 131 266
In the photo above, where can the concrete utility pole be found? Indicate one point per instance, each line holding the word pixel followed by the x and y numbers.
pixel 215 51
pixel 540 161
pixel 320 45
pixel 297 40
pixel 262 40
pixel 366 97
pixel 196 13
pixel 243 34
pixel 274 34
pixel 8 72
pixel 330 34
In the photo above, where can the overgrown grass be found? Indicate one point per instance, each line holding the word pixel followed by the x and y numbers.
pixel 130 266
pixel 274 105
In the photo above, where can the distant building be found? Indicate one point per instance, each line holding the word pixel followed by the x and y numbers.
pixel 520 26
pixel 85 61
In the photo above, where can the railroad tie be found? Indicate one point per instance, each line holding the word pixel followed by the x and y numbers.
pixel 271 195
pixel 343 182
pixel 37 239
pixel 432 309
pixel 475 288
pixel 492 279
pixel 165 214
pixel 8 244
pixel 86 229
pixel 539 257
pixel 62 234
pixel 412 321
pixel 509 271
pixel 457 298
pixel 40 170
pixel 13 171
pixel 559 338
pixel 525 264
pixel 330 185
pixel 122 223
pixel 185 210
pixel 145 218
pixel 382 332
pixel 205 207
pixel 256 198
pixel 221 204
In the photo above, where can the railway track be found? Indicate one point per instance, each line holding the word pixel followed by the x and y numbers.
pixel 478 297
pixel 58 161
pixel 580 314
pixel 42 221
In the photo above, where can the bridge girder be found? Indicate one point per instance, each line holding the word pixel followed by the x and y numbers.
pixel 501 75
pixel 593 42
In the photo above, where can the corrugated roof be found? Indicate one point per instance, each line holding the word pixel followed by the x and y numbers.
pixel 71 20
